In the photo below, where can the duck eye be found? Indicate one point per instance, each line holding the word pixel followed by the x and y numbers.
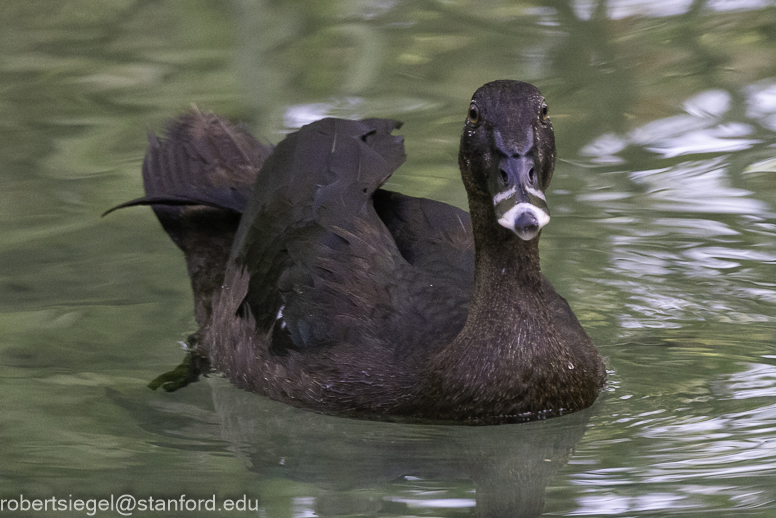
pixel 545 112
pixel 474 114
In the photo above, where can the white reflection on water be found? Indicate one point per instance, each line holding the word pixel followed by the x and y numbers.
pixel 738 5
pixel 614 504
pixel 758 380
pixel 711 103
pixel 302 114
pixel 351 107
pixel 761 103
pixel 694 227
pixel 719 139
pixel 697 186
pixel 667 309
pixel 699 130
pixel 624 8
pixel 303 507
pixel 618 9
pixel 604 149
pixel 435 503
pixel 717 257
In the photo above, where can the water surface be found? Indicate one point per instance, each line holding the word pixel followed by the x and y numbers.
pixel 663 239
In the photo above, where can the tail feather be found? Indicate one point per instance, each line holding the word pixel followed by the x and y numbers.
pixel 197 179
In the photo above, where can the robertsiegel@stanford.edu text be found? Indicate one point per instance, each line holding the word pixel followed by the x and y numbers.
pixel 127 504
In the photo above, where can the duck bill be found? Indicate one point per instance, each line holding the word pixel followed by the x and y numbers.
pixel 525 219
pixel 521 208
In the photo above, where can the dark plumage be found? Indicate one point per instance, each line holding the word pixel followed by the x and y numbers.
pixel 316 287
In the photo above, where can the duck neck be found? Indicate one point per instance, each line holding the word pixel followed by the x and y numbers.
pixel 508 332
pixel 507 282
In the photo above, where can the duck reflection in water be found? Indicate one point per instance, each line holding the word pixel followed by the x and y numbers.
pixel 349 467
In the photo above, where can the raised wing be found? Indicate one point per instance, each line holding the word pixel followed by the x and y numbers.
pixel 310 235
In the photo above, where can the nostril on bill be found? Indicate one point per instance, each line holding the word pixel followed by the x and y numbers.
pixel 526 222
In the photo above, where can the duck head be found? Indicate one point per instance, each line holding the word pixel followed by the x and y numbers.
pixel 507 154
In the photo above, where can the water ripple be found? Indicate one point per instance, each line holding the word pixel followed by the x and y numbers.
pixel 699 186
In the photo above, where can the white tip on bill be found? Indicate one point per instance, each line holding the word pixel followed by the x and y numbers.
pixel 510 216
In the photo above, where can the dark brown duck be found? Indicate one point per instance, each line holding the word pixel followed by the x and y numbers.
pixel 316 287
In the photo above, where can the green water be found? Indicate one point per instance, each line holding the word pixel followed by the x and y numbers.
pixel 663 239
